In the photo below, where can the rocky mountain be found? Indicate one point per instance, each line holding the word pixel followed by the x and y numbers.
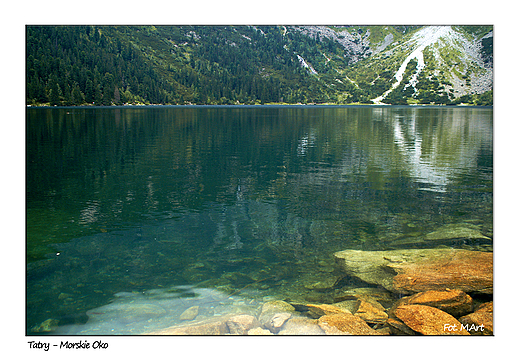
pixel 430 64
pixel 68 65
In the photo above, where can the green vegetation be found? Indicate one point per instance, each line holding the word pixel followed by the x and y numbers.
pixel 115 65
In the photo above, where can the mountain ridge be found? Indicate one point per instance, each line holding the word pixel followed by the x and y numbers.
pixel 286 64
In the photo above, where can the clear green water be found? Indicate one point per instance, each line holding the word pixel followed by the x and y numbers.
pixel 247 202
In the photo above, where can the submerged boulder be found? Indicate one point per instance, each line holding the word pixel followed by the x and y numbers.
pixel 454 302
pixel 301 326
pixel 455 231
pixel 417 270
pixel 428 320
pixel 345 324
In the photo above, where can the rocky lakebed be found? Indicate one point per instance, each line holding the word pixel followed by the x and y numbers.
pixel 421 292
pixel 434 290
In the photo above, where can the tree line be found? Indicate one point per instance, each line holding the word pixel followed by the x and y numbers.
pixel 103 65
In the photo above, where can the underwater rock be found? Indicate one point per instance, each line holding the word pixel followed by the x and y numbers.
pixel 275 323
pixel 212 326
pixel 271 307
pixel 399 328
pixel 189 314
pixel 241 324
pixel 371 311
pixel 379 294
pixel 316 311
pixel 258 331
pixel 301 326
pixel 345 324
pixel 347 305
pixel 274 314
pixel 428 320
pixel 416 270
pixel 323 282
pixel 48 325
pixel 454 302
pixel 126 312
pixel 480 322
pixel 455 231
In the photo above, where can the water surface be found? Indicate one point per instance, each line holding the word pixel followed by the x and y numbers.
pixel 250 202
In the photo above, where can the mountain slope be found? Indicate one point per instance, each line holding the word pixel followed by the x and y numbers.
pixel 434 64
pixel 70 65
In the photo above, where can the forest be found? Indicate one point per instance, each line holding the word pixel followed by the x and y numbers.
pixel 210 65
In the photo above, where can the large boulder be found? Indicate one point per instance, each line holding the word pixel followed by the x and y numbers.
pixel 428 320
pixel 417 270
pixel 454 302
pixel 345 324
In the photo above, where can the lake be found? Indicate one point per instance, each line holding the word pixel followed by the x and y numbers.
pixel 236 205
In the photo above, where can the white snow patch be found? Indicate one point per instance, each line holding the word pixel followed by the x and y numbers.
pixel 423 38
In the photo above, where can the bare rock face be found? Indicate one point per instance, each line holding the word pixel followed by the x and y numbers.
pixel 417 270
pixel 428 320
pixel 479 322
pixel 454 302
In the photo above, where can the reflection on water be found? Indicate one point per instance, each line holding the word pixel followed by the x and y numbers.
pixel 237 201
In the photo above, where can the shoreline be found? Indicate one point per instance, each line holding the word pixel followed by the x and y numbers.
pixel 274 105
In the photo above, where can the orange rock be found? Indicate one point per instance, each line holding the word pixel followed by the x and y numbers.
pixel 371 311
pixel 416 270
pixel 461 269
pixel 345 324
pixel 485 307
pixel 324 309
pixel 428 320
pixel 399 328
pixel 479 322
pixel 454 302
